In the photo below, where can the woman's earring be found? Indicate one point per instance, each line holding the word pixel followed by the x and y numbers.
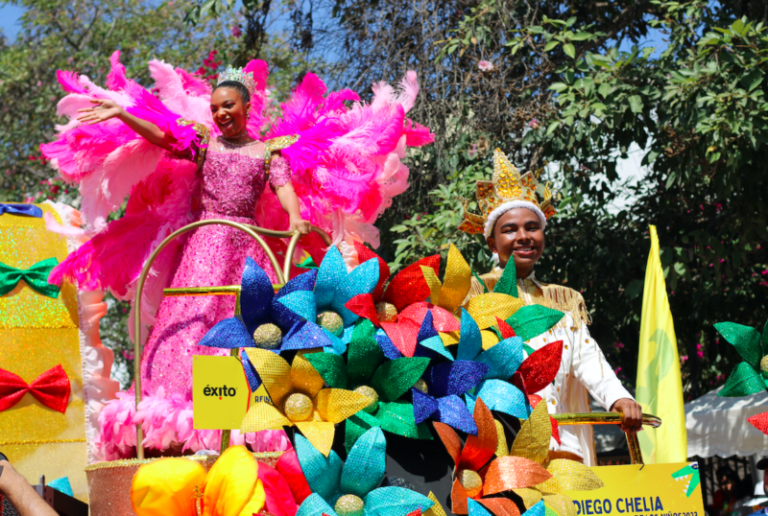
pixel 248 115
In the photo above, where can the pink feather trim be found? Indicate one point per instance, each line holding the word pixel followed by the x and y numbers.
pixel 116 79
pixel 70 82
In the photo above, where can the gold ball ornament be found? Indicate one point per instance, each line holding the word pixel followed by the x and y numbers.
pixel 349 505
pixel 764 364
pixel 421 385
pixel 386 312
pixel 370 392
pixel 267 336
pixel 298 407
pixel 471 482
pixel 332 322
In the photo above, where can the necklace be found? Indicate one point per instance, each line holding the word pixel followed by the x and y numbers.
pixel 233 140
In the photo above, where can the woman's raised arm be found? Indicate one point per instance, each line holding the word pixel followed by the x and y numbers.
pixel 105 109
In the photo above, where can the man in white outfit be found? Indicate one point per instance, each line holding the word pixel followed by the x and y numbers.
pixel 513 223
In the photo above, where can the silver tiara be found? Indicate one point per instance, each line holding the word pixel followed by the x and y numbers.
pixel 238 75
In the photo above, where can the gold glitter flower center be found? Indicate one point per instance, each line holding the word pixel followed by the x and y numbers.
pixel 332 322
pixel 371 393
pixel 349 505
pixel 386 312
pixel 267 336
pixel 298 407
pixel 764 364
pixel 471 482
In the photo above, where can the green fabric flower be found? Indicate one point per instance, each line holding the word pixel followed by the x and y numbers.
pixel 367 371
pixel 751 375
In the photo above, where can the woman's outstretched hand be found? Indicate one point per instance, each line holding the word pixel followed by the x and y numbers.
pixel 101 112
pixel 300 225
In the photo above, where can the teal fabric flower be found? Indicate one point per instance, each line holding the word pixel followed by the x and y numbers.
pixel 351 488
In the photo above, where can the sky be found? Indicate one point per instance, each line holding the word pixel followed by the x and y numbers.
pixel 9 20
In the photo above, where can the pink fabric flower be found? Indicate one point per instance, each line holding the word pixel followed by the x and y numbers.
pixel 485 66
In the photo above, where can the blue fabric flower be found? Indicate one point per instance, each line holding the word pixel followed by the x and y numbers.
pixel 355 482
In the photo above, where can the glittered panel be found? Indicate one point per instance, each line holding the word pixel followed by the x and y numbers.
pixel 532 441
pixel 760 421
pixel 454 412
pixel 409 285
pixel 304 377
pixel 569 475
pixel 530 496
pixel 436 509
pixel 486 307
pixel 336 405
pixel 380 502
pixel 22 247
pixel 397 417
pixel 274 371
pixel 323 473
pixel 506 178
pixel 503 359
pixel 363 470
pixel 540 369
pixel 256 295
pixel 506 473
pixel 561 504
pixel 500 506
pixel 457 280
pixel 533 320
pixel 455 377
pixel 502 450
pixel 742 381
pixel 263 416
pixel 365 354
pixel 319 433
pixel 393 378
pixel 450 440
pixel 479 449
pixel 29 353
pixel 746 340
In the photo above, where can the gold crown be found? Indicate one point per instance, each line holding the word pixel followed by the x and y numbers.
pixel 507 185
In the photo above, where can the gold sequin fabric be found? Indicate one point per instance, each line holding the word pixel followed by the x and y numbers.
pixel 37 333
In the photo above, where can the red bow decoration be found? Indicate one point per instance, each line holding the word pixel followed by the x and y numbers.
pixel 52 389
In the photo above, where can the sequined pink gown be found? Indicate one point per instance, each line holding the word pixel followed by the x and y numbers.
pixel 233 178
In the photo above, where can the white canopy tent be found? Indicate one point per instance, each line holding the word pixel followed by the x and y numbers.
pixel 719 426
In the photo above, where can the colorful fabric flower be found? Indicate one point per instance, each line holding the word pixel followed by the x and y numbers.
pixel 367 371
pixel 335 287
pixel 532 444
pixel 181 487
pixel 299 399
pixel 276 321
pixel 439 398
pixel 352 488
pixel 751 375
pixel 476 475
pixel 400 308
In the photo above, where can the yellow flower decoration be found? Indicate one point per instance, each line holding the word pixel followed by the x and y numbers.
pixel 532 442
pixel 180 487
pixel 299 399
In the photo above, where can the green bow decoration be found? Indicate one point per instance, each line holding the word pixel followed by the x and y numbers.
pixel 36 277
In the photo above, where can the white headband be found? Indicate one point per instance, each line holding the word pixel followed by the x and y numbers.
pixel 511 205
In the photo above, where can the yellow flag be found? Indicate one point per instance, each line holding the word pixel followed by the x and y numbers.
pixel 659 387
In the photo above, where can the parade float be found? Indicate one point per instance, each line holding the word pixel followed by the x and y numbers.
pixel 336 388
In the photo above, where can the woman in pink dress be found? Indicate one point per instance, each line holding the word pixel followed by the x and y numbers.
pixel 184 153
pixel 233 174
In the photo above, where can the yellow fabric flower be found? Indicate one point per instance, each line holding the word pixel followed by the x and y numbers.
pixel 299 399
pixel 180 487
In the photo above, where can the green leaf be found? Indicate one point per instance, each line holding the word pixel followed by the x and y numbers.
pixel 331 367
pixel 557 87
pixel 552 44
pixel 745 339
pixel 636 104
pixel 532 320
pixel 552 127
pixel 581 36
pixel 395 377
pixel 605 89
pixel 569 50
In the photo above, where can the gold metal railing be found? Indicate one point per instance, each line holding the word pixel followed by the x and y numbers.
pixel 254 232
pixel 610 418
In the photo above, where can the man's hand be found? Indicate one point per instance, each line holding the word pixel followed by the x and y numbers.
pixel 633 414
